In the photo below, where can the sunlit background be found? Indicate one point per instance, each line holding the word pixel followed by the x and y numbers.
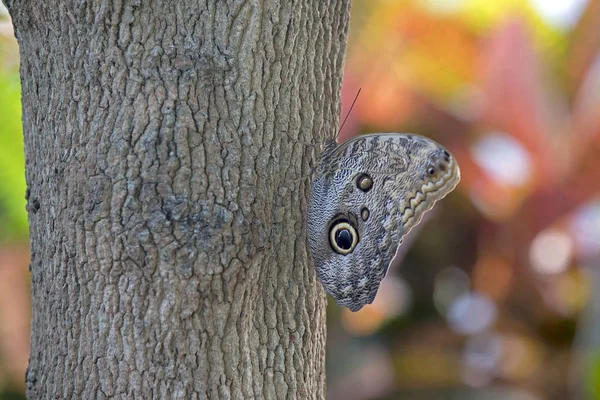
pixel 497 294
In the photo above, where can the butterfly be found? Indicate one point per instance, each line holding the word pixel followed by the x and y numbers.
pixel 367 193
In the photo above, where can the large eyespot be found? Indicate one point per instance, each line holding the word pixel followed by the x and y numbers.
pixel 431 171
pixel 343 237
pixel 364 182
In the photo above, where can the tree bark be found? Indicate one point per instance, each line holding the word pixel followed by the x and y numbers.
pixel 166 162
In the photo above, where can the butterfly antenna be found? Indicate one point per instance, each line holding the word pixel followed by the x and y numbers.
pixel 349 111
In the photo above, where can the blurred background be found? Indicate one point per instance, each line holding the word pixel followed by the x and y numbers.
pixel 496 295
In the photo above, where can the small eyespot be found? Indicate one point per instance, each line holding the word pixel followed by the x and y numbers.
pixel 446 154
pixel 431 171
pixel 343 237
pixel 364 213
pixel 364 182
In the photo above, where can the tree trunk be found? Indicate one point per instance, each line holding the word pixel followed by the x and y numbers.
pixel 167 157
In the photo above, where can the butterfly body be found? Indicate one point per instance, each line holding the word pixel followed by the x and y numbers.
pixel 367 193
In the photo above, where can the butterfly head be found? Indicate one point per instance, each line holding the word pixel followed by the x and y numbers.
pixel 432 173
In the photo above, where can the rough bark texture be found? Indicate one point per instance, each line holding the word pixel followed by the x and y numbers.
pixel 166 164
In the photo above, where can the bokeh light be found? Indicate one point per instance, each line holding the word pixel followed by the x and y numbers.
pixel 585 230
pixel 551 251
pixel 503 159
pixel 471 313
pixel 561 13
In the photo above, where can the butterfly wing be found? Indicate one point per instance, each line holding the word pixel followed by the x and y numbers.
pixel 361 202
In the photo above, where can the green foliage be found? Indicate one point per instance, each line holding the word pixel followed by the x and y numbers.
pixel 13 217
pixel 592 379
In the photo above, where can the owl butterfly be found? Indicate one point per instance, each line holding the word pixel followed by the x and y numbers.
pixel 367 193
